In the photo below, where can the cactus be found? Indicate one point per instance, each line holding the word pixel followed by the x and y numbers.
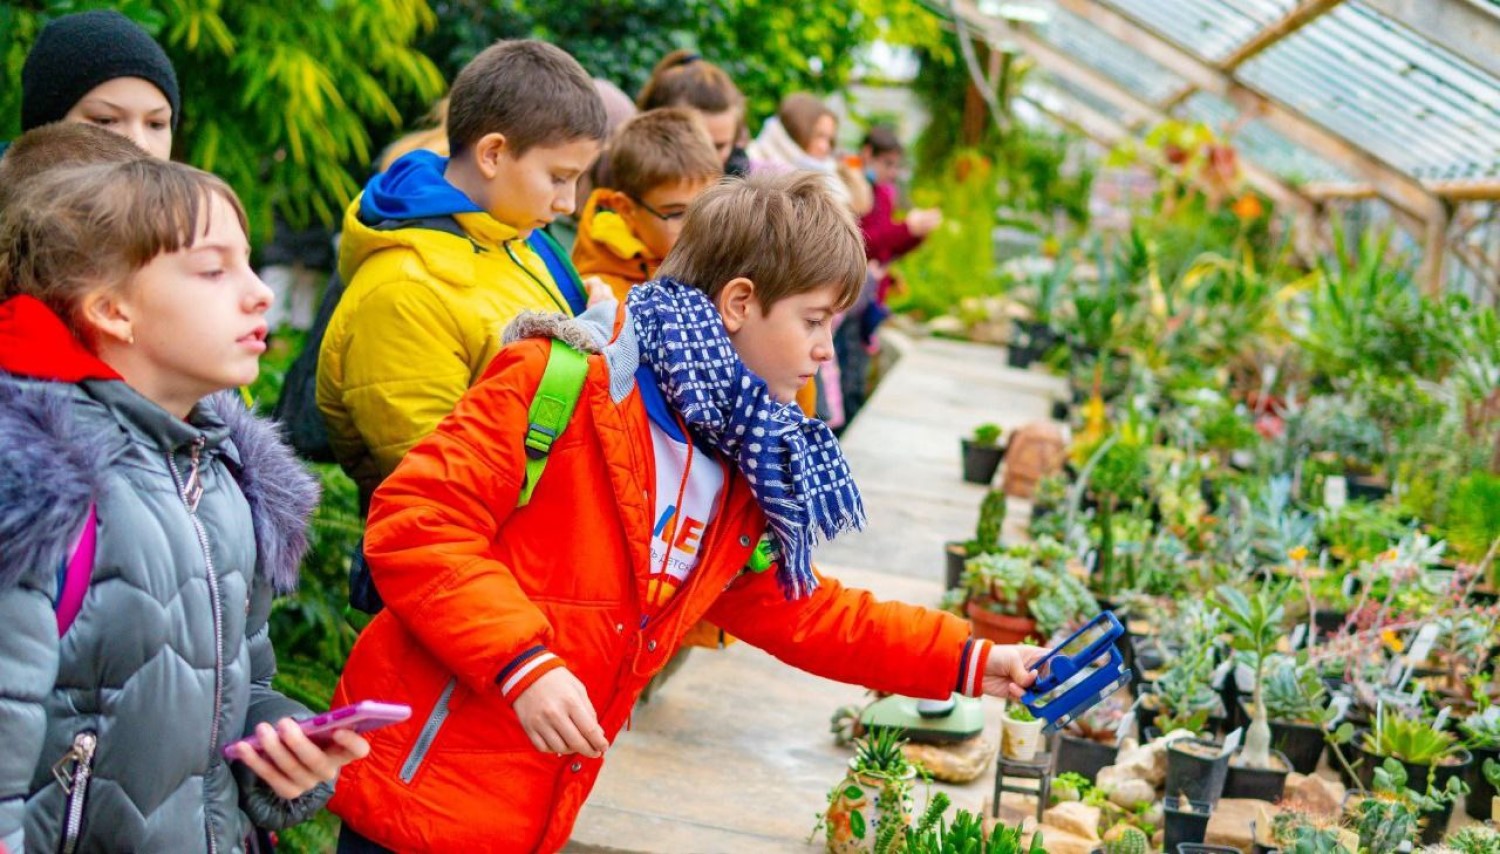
pixel 991 520
pixel 1126 839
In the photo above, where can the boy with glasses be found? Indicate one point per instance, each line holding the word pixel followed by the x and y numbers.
pixel 659 162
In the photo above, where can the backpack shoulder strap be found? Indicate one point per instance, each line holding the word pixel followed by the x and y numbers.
pixel 75 573
pixel 551 409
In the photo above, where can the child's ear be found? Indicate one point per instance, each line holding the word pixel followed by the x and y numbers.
pixel 487 153
pixel 108 314
pixel 735 302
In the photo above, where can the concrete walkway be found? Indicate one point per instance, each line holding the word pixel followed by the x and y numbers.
pixel 734 754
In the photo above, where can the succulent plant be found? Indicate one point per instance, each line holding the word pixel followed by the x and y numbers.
pixel 1126 839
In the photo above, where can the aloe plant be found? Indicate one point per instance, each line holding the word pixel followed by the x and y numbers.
pixel 1410 740
pixel 879 753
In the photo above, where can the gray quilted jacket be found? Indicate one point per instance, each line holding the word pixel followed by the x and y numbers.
pixel 111 738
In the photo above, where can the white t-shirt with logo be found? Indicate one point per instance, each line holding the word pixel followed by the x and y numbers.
pixel 680 529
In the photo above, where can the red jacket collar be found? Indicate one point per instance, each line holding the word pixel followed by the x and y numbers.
pixel 34 342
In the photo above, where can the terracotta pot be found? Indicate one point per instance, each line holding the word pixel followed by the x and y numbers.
pixel 998 628
pixel 862 801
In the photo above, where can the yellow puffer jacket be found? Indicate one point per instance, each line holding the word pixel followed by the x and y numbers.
pixel 425 306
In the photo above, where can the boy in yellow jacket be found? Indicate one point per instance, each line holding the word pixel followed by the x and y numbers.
pixel 439 254
pixel 659 162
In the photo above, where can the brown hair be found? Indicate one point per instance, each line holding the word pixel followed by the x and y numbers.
pixel 73 231
pixel 58 146
pixel 661 147
pixel 799 113
pixel 530 91
pixel 882 140
pixel 685 79
pixel 785 232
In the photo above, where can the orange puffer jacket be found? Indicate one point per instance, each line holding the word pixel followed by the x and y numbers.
pixel 483 597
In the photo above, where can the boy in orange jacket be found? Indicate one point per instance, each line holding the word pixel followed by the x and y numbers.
pixel 521 637
pixel 657 163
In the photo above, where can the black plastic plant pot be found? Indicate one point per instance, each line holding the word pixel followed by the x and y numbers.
pixel 980 462
pixel 1329 622
pixel 1021 356
pixel 955 555
pixel 1195 769
pixel 1480 802
pixel 1363 488
pixel 1083 756
pixel 1193 848
pixel 1259 784
pixel 1301 743
pixel 1183 826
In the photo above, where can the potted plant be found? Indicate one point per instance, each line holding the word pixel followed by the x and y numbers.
pixel 1481 734
pixel 874 795
pixel 1020 733
pixel 1297 708
pixel 1183 696
pixel 986 538
pixel 1186 821
pixel 932 835
pixel 1023 591
pixel 982 454
pixel 1089 742
pixel 1196 769
pixel 1394 817
pixel 1256 626
pixel 1429 756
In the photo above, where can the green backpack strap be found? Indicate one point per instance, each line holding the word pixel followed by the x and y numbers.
pixel 556 397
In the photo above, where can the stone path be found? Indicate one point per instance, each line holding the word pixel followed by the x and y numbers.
pixel 734 754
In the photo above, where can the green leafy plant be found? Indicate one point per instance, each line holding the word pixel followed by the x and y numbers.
pixel 879 753
pixel 1184 694
pixel 1018 712
pixel 1482 730
pixel 1256 624
pixel 1410 740
pixel 1473 519
pixel 1491 771
pixel 1029 580
pixel 986 435
pixel 1294 692
pixel 1071 786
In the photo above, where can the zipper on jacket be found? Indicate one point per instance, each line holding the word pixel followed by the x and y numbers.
pixel 75 784
pixel 561 306
pixel 429 732
pixel 191 492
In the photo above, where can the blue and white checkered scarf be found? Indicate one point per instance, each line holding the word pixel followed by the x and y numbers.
pixel 793 463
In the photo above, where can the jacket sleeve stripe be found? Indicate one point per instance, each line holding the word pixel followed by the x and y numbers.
pixel 517 662
pixel 528 673
pixel 971 667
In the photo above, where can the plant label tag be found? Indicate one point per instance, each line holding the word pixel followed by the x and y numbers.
pixel 1347 588
pixel 1442 718
pixel 1219 673
pixel 1299 634
pixel 1421 646
pixel 1335 492
pixel 1339 707
pixel 1232 742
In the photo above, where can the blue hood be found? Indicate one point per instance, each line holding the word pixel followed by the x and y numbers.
pixel 413 188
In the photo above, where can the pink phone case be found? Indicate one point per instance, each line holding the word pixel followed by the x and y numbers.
pixel 363 716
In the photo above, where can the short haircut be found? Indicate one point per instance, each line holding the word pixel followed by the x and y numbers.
pixel 72 232
pixel 786 232
pixel 59 146
pixel 529 91
pixel 658 148
pixel 685 79
pixel 882 140
pixel 799 113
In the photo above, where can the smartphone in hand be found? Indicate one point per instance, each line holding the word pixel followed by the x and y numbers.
pixel 363 716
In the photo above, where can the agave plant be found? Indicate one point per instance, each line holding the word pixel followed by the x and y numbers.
pixel 1410 740
pixel 879 753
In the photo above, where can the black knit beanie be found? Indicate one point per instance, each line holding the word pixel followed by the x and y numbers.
pixel 75 53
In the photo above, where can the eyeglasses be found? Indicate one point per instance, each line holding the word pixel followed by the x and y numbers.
pixel 674 216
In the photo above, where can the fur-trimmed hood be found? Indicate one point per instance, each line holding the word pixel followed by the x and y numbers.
pixel 56 443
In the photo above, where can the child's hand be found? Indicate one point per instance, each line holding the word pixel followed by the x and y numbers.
pixel 1007 673
pixel 291 764
pixel 599 290
pixel 924 221
pixel 558 716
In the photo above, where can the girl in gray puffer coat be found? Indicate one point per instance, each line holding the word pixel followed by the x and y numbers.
pixel 114 723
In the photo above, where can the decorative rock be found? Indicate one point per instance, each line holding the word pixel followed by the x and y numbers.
pixel 1230 823
pixel 1129 793
pixel 1074 817
pixel 960 762
pixel 1313 793
pixel 1059 841
pixel 1035 451
pixel 1146 762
